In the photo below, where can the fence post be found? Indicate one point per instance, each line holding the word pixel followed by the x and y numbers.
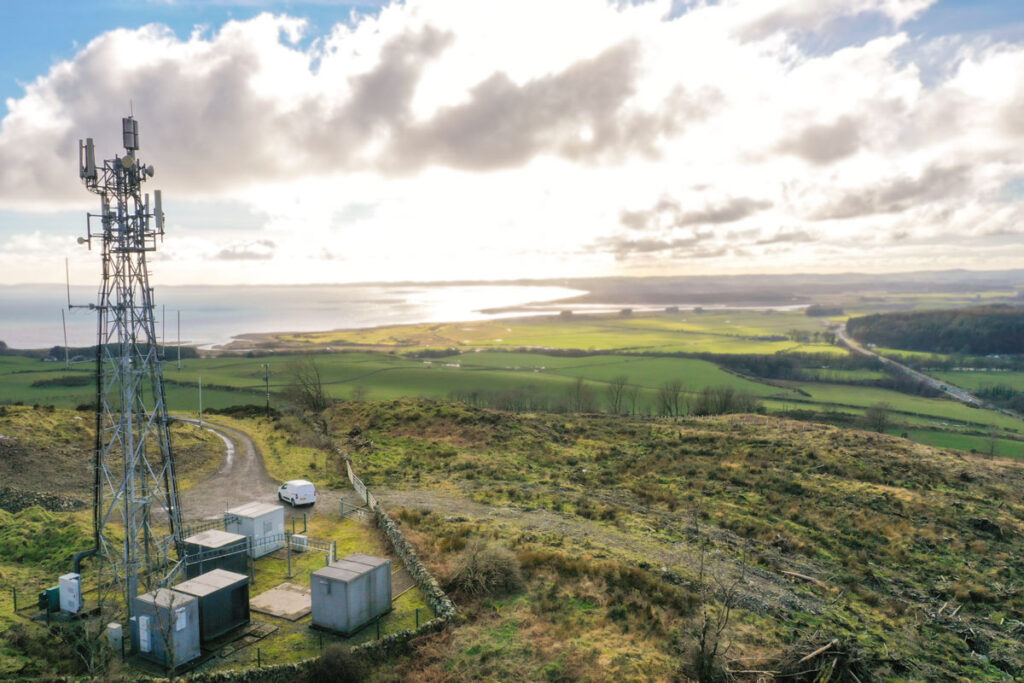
pixel 334 550
pixel 288 552
pixel 252 566
pixel 304 530
pixel 293 525
pixel 342 508
pixel 378 628
pixel 417 617
pixel 14 594
pixel 259 659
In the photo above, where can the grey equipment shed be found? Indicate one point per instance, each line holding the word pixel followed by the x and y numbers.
pixel 215 549
pixel 346 595
pixel 263 523
pixel 165 627
pixel 223 601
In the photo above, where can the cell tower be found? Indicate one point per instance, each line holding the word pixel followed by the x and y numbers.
pixel 136 512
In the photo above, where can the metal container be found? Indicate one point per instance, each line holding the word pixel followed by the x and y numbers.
pixel 49 599
pixel 71 593
pixel 215 549
pixel 223 601
pixel 346 595
pixel 380 595
pixel 165 627
pixel 263 523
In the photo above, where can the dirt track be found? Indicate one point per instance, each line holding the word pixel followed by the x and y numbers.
pixel 240 479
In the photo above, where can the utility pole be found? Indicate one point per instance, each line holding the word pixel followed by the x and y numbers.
pixel 200 400
pixel 266 382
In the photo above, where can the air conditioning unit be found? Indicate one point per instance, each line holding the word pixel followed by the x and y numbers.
pixel 300 544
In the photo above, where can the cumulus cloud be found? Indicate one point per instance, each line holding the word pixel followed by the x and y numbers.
pixel 646 136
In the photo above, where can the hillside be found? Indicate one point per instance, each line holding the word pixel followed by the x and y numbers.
pixel 902 555
pixel 976 331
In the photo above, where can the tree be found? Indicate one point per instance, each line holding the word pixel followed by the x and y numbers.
pixel 877 417
pixel 708 628
pixel 581 397
pixel 633 396
pixel 616 394
pixel 305 386
pixel 669 398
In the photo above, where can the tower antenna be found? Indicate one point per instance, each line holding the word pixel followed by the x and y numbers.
pixel 136 509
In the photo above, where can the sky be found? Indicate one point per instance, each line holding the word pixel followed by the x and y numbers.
pixel 322 142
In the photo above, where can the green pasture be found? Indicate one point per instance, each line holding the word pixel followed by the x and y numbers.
pixel 232 380
pixel 935 407
pixel 650 373
pixel 732 331
pixel 975 443
pixel 973 381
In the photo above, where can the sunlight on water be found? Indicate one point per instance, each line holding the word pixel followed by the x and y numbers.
pixel 30 314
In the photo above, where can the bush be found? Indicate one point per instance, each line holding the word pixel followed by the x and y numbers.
pixel 485 570
pixel 337 665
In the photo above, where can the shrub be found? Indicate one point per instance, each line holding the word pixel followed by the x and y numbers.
pixel 485 570
pixel 337 665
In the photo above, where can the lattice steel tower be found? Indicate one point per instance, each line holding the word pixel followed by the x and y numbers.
pixel 136 513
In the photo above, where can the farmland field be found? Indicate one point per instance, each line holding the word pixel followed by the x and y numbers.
pixel 973 381
pixel 733 331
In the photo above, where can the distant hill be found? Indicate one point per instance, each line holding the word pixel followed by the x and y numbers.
pixel 973 331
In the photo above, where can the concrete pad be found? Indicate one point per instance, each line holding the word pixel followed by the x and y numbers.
pixel 287 601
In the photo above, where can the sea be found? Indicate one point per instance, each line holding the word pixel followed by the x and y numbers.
pixel 30 315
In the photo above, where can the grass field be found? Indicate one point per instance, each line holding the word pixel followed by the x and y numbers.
pixel 733 331
pixel 938 408
pixel 966 442
pixel 973 381
pixel 230 380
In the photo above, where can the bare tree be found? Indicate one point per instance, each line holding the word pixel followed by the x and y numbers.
pixel 633 396
pixel 877 417
pixel 581 397
pixel 670 398
pixel 305 386
pixel 87 640
pixel 615 392
pixel 709 626
pixel 360 392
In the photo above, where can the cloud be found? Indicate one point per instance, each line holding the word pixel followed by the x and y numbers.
pixel 670 213
pixel 247 106
pixel 787 236
pixel 258 250
pixel 755 20
pixel 825 143
pixel 608 137
pixel 894 195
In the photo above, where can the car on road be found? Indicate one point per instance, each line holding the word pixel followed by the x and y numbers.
pixel 297 492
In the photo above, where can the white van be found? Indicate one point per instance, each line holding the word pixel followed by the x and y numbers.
pixel 297 492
